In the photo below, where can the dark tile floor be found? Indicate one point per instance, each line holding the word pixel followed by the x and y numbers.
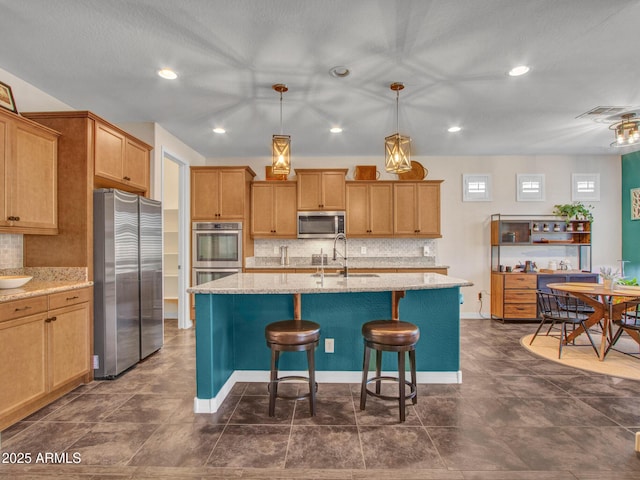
pixel 515 416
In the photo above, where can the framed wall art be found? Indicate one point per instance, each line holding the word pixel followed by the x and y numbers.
pixel 6 98
pixel 635 204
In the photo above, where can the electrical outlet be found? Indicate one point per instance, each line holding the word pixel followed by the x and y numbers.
pixel 96 362
pixel 426 250
pixel 329 345
pixel 363 250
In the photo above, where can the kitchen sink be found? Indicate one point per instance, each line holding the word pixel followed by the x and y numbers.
pixel 351 275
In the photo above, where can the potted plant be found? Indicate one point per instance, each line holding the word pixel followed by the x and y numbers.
pixel 609 276
pixel 574 211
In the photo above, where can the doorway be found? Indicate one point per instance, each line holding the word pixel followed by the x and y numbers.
pixel 175 191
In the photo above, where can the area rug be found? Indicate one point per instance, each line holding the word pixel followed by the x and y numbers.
pixel 583 357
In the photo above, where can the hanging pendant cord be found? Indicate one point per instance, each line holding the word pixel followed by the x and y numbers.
pixel 280 113
pixel 397 110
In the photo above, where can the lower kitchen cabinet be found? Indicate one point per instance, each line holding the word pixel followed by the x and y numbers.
pixel 45 350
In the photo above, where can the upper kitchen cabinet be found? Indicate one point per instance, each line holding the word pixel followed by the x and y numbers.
pixel 120 159
pixel 82 139
pixel 369 209
pixel 321 189
pixel 28 175
pixel 417 209
pixel 273 210
pixel 220 193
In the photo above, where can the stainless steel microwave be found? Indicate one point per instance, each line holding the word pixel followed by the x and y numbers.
pixel 320 224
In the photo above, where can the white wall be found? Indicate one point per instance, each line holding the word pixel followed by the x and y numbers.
pixel 465 246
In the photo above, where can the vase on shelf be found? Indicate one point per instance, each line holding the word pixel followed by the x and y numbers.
pixel 581 227
pixel 570 227
pixel 608 283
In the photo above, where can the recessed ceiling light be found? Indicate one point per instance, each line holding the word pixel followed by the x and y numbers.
pixel 339 71
pixel 219 130
pixel 168 74
pixel 335 130
pixel 454 129
pixel 519 70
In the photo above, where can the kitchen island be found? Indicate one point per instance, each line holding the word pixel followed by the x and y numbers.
pixel 231 314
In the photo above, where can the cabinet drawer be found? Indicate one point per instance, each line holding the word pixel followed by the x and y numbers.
pixel 70 297
pixel 520 281
pixel 512 310
pixel 22 308
pixel 519 296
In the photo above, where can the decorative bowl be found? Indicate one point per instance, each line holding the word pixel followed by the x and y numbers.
pixel 13 281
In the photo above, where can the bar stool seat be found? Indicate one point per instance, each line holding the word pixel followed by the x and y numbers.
pixel 390 336
pixel 292 336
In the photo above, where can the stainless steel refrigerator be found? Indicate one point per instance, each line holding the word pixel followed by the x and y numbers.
pixel 128 316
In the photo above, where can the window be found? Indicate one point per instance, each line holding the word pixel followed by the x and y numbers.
pixel 476 187
pixel 585 187
pixel 530 187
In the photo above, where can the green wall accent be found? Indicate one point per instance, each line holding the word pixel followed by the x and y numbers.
pixel 630 228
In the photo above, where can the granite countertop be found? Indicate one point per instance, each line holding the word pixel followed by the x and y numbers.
pixel 353 262
pixel 46 280
pixel 281 283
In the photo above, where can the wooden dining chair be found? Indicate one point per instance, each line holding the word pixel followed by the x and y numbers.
pixel 560 310
pixel 628 323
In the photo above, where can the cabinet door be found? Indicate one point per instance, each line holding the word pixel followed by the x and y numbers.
pixel 231 194
pixel 333 191
pixel 428 210
pixel 4 146
pixel 136 166
pixel 204 195
pixel 309 190
pixel 357 210
pixel 285 210
pixel 109 152
pixel 262 210
pixel 22 361
pixel 404 209
pixel 68 345
pixel 32 173
pixel 381 209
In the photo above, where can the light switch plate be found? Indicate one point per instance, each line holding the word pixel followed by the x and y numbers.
pixel 329 345
pixel 426 250
pixel 363 250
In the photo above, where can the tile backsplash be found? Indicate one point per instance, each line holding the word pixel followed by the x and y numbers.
pixel 375 247
pixel 10 250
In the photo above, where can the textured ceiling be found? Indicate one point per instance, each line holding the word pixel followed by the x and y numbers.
pixel 452 55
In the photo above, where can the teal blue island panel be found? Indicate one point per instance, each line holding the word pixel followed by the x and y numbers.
pixel 230 331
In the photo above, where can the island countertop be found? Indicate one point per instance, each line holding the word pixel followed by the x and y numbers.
pixel 283 283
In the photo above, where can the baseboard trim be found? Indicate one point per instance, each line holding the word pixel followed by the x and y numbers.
pixel 211 405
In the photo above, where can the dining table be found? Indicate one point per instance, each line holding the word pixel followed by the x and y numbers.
pixel 608 305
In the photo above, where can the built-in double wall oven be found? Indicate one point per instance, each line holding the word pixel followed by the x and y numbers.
pixel 217 250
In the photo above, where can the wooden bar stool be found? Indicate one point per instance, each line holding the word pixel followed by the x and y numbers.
pixel 390 336
pixel 292 336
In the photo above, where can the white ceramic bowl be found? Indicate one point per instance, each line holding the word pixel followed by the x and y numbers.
pixel 13 281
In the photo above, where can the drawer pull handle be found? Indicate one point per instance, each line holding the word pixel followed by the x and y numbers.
pixel 72 298
pixel 22 309
pixel 52 319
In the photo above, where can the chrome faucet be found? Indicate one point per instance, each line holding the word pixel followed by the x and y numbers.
pixel 345 268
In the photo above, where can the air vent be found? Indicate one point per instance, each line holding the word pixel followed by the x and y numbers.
pixel 603 112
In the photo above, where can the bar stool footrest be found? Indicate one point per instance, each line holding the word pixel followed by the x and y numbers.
pixel 412 394
pixel 289 378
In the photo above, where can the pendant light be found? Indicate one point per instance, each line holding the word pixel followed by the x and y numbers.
pixel 627 131
pixel 397 147
pixel 281 144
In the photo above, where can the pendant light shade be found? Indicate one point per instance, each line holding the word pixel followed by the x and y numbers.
pixel 397 147
pixel 281 144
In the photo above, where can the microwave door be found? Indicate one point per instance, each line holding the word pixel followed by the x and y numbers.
pixel 317 226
